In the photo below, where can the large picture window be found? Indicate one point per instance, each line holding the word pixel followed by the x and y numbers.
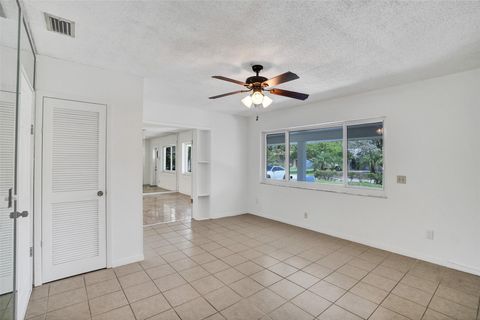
pixel 345 155
pixel 169 158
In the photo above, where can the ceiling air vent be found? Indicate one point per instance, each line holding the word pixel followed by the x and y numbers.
pixel 60 25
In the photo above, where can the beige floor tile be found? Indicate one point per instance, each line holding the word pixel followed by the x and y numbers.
pixel 434 315
pixel 141 291
pixel 452 309
pixel 99 276
pixel 384 314
pixel 66 298
pixel 195 310
pixel 149 307
pixel 207 284
pixel 297 262
pixel 78 311
pixel 66 285
pixel 203 258
pixel 169 282
pixel 37 307
pixel 174 256
pixel 181 294
pixel 290 311
pixel 266 300
pixel 266 261
pixel 357 305
pixel 223 298
pixel 379 282
pixel 183 264
pixel 334 260
pixel 337 313
pixel 352 271
pixel 123 313
pixel 221 252
pixel 286 289
pixel 166 315
pixel 457 296
pixel 248 268
pixel 362 264
pixel 215 266
pixel 341 280
pixel 404 307
pixel 317 270
pixel 303 279
pixel 160 271
pixel 101 288
pixel 388 273
pixel 266 277
pixel 194 273
pixel 127 269
pixel 133 279
pixel 369 292
pixel 37 293
pixel 229 275
pixel 413 294
pixel 152 262
pixel 283 269
pixel 107 302
pixel 246 287
pixel 216 316
pixel 311 303
pixel 327 290
pixel 242 310
pixel 422 284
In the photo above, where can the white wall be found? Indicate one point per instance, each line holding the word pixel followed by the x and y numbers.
pixel 123 96
pixel 166 180
pixel 147 156
pixel 184 179
pixel 228 151
pixel 431 137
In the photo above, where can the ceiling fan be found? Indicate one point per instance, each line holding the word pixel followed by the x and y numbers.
pixel 256 85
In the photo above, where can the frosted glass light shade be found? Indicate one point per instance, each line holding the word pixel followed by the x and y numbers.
pixel 257 97
pixel 266 101
pixel 247 101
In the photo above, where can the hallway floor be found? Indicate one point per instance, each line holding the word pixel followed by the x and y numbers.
pixel 246 267
pixel 168 207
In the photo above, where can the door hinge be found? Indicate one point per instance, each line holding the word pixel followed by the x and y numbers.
pixel 31 251
pixel 31 129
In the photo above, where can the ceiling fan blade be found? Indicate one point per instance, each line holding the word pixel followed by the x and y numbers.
pixel 289 94
pixel 230 80
pixel 284 77
pixel 228 94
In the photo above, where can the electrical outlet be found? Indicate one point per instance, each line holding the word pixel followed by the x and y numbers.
pixel 402 179
pixel 305 215
pixel 430 234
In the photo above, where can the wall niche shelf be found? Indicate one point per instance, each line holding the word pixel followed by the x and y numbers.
pixel 201 206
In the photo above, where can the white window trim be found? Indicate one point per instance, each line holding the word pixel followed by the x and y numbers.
pixel 345 187
pixel 164 149
pixel 185 146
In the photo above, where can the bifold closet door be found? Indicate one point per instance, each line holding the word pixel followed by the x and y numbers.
pixel 73 202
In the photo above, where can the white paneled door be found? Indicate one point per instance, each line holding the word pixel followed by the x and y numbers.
pixel 73 202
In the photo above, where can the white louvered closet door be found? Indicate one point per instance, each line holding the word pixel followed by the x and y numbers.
pixel 7 168
pixel 73 215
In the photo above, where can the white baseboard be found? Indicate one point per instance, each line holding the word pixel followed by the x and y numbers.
pixel 408 253
pixel 127 260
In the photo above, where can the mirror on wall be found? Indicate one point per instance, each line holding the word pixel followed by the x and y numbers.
pixel 9 35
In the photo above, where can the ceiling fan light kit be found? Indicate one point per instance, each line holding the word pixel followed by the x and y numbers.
pixel 257 84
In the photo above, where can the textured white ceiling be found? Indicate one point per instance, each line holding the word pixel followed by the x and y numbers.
pixel 335 47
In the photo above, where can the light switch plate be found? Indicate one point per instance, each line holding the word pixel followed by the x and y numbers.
pixel 402 179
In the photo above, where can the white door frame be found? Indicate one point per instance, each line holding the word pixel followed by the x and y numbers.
pixel 40 96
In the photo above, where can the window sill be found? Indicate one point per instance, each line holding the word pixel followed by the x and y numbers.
pixel 351 190
pixel 169 172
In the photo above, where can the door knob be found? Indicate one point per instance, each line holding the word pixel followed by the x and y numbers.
pixel 100 193
pixel 17 214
